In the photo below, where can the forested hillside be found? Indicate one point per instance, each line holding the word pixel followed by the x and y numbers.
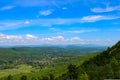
pixel 105 65
pixel 71 63
pixel 42 60
pixel 9 57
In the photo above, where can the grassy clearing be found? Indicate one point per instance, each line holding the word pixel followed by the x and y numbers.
pixel 19 70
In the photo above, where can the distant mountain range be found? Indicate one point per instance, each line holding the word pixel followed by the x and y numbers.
pixel 57 45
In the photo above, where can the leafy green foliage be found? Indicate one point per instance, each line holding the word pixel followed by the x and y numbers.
pixel 40 57
pixel 105 65
pixel 72 72
pixel 24 77
pixel 9 77
pixel 45 63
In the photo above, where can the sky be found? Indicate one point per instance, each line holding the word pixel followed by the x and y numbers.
pixel 40 22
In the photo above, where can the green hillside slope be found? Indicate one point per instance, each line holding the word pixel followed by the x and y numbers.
pixel 105 65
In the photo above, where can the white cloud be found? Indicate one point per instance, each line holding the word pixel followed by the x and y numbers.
pixel 9 37
pixel 7 7
pixel 107 9
pixel 55 39
pixel 82 31
pixel 58 38
pixel 75 39
pixel 14 24
pixel 27 22
pixel 46 12
pixel 95 18
pixel 30 39
pixel 17 39
pixel 7 25
pixel 29 36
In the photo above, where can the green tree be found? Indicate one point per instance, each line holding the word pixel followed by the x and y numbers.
pixel 9 77
pixel 116 67
pixel 72 72
pixel 45 78
pixel 83 77
pixel 51 76
pixel 24 77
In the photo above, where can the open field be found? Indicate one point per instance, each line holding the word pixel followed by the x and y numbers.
pixel 19 70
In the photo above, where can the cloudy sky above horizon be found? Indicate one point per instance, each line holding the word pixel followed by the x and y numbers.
pixel 36 22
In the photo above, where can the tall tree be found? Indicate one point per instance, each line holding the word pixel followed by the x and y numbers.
pixel 73 72
pixel 24 77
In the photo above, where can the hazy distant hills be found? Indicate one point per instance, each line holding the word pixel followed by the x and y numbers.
pixel 40 52
pixel 53 49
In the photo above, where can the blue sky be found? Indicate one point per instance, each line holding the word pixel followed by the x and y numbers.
pixel 36 22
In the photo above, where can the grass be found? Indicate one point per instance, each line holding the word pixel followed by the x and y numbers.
pixel 20 69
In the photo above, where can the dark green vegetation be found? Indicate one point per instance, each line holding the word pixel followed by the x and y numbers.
pixel 105 65
pixel 40 57
pixel 61 63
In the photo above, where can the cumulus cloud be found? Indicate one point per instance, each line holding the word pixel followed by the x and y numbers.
pixel 75 39
pixel 30 39
pixel 29 36
pixel 7 7
pixel 58 39
pixel 107 9
pixel 9 37
pixel 17 39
